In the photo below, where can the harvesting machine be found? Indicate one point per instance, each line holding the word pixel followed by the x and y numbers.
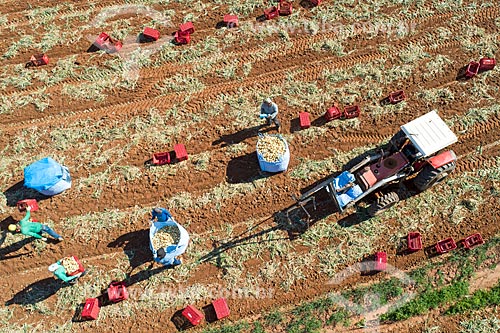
pixel 416 153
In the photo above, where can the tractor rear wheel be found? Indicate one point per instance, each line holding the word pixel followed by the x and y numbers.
pixel 383 203
pixel 429 176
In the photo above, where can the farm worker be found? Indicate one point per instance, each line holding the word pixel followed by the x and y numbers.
pixel 60 273
pixel 269 111
pixel 168 255
pixel 160 215
pixel 33 229
pixel 160 258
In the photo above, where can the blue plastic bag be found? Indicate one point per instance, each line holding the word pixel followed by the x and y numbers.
pixel 47 177
pixel 278 166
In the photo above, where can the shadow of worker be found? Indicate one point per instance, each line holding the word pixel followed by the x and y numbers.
pixel 242 135
pixel 135 245
pixel 19 192
pixel 36 292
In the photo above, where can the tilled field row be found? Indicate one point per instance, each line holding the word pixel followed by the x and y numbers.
pixel 465 163
pixel 279 74
pixel 279 49
pixel 94 256
pixel 18 18
pixel 308 72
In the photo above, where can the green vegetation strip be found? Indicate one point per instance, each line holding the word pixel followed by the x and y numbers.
pixel 479 300
pixel 315 316
pixel 429 299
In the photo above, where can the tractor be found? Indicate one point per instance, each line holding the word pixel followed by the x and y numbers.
pixel 416 153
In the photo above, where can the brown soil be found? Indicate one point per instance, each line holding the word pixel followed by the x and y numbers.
pixel 24 267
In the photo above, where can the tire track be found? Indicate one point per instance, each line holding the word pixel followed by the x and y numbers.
pixel 476 162
pixel 366 138
pixel 298 45
pixel 284 49
pixel 121 252
pixel 479 129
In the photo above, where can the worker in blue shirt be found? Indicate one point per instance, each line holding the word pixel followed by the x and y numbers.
pixel 269 111
pixel 162 258
pixel 160 215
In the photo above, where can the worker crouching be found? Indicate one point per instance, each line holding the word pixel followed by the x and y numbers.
pixel 168 239
pixel 68 270
pixel 269 111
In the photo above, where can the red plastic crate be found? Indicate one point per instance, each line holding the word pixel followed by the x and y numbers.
pixel 90 309
pixel 108 44
pixel 187 27
pixel 472 241
pixel 397 96
pixel 333 113
pixel 305 121
pixel 221 308
pixel 486 64
pixel 22 204
pixel 472 69
pixel 117 45
pixel 380 261
pixel 101 39
pixel 161 158
pixel 285 8
pixel 180 152
pixel 117 292
pixel 352 111
pixel 39 59
pixel 80 269
pixel 414 241
pixel 182 37
pixel 151 33
pixel 231 21
pixel 445 245
pixel 192 314
pixel 271 13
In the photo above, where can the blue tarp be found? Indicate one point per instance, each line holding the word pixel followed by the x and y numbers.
pixel 352 193
pixel 278 166
pixel 173 250
pixel 343 179
pixel 349 195
pixel 47 177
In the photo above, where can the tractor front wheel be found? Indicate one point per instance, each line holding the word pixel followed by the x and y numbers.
pixel 383 203
pixel 429 176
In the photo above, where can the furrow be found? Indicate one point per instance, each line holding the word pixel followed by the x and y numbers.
pixel 481 128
